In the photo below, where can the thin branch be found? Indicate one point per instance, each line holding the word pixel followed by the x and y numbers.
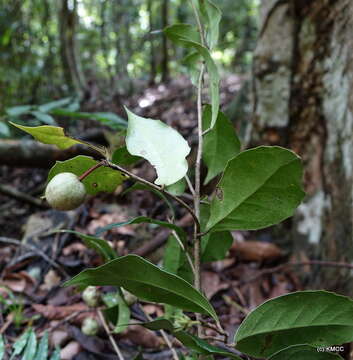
pixel 35 250
pixel 197 239
pixel 184 250
pixel 106 328
pixel 154 186
pixel 10 191
pixel 90 170
pixel 214 328
pixel 199 24
pixel 65 320
pixel 300 263
pixel 191 188
pixel 164 335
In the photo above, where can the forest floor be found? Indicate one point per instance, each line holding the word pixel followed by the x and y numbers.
pixel 34 260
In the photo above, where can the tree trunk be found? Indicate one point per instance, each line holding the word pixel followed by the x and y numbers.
pixel 68 47
pixel 303 99
pixel 165 53
pixel 153 65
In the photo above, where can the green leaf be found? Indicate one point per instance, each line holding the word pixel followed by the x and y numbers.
pixel 201 346
pixel 147 282
pixel 259 188
pixel 317 318
pixel 192 62
pixel 4 130
pixel 123 317
pixel 211 16
pixel 18 110
pixel 54 105
pixel 161 145
pixel 49 135
pixel 2 347
pixel 54 135
pixel 122 157
pixel 219 145
pixel 110 119
pixel 118 311
pixel 190 341
pixel 102 179
pixel 43 117
pixel 181 33
pixel 100 245
pixel 20 344
pixel 173 259
pixel 42 353
pixel 178 188
pixel 304 352
pixel 185 34
pixel 140 220
pixel 31 347
pixel 172 255
pixel 214 246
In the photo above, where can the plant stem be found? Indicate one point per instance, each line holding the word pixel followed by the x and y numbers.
pixel 185 251
pixel 199 24
pixel 156 187
pixel 90 170
pixel 191 188
pixel 164 336
pixel 106 328
pixel 197 239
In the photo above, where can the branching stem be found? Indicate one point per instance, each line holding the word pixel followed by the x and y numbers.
pixel 156 187
pixel 197 239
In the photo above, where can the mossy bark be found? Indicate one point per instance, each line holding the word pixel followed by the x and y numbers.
pixel 303 99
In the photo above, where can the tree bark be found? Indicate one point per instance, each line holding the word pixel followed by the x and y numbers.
pixel 153 65
pixel 303 99
pixel 165 53
pixel 30 153
pixel 68 47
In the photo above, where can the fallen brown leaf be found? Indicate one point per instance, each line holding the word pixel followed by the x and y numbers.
pixel 52 312
pixel 51 279
pixel 211 283
pixel 70 350
pixel 140 336
pixel 255 251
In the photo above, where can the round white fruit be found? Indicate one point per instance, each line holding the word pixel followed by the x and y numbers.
pixel 91 296
pixel 90 326
pixel 65 192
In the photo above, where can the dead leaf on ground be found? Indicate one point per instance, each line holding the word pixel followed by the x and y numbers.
pixel 281 287
pixel 74 248
pixel 52 312
pixel 255 251
pixel 70 350
pixel 152 309
pixel 58 337
pixel 141 336
pixel 17 282
pixel 51 280
pixel 211 283
pixel 107 219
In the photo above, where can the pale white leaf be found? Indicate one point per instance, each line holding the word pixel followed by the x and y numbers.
pixel 161 145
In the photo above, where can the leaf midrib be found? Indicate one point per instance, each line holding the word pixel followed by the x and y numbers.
pixel 254 192
pixel 209 311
